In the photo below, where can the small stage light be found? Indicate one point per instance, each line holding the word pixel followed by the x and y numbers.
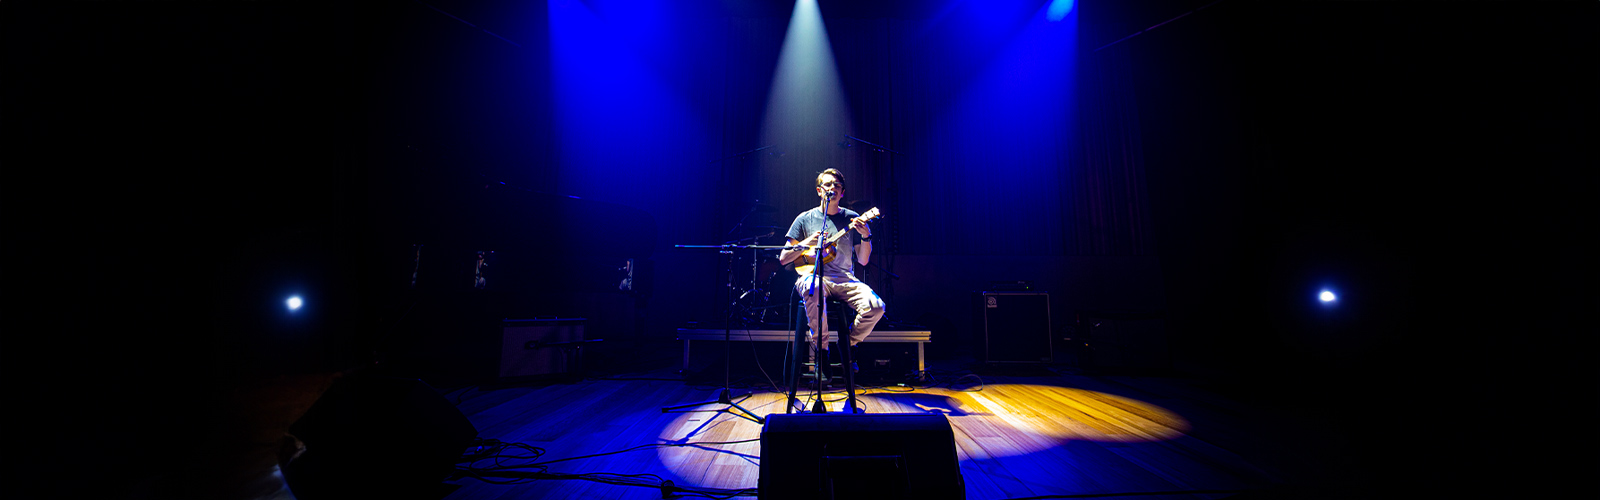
pixel 294 303
pixel 1326 297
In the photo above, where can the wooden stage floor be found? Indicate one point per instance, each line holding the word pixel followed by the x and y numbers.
pixel 1038 432
pixel 1014 438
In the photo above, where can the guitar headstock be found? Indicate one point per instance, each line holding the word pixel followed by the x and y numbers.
pixel 871 214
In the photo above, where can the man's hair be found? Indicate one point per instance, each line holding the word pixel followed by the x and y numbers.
pixel 837 176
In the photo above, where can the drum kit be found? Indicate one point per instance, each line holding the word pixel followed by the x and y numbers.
pixel 764 298
pixel 762 286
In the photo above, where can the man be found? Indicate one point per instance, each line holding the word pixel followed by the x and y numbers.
pixel 838 274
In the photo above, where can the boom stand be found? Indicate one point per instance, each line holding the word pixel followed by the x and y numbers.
pixel 726 398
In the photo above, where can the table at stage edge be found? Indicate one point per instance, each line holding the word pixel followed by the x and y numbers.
pixel 687 335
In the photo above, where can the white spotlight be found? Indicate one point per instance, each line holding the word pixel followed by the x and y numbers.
pixel 294 303
pixel 1326 297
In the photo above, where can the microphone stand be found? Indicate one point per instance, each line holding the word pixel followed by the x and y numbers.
pixel 821 318
pixel 821 363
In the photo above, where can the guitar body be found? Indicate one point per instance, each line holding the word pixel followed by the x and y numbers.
pixel 805 265
pixel 808 260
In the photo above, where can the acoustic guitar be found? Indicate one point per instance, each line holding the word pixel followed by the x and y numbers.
pixel 808 259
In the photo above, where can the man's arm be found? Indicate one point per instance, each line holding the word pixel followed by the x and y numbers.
pixel 796 230
pixel 789 254
pixel 798 248
pixel 864 247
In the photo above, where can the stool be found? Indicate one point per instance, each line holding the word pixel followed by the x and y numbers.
pixel 840 317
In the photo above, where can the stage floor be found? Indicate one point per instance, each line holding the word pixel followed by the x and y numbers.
pixel 1019 431
pixel 1015 436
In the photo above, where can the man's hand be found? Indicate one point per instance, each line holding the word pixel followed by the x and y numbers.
pixel 860 226
pixel 812 240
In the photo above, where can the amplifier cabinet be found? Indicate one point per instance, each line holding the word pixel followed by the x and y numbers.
pixel 1013 327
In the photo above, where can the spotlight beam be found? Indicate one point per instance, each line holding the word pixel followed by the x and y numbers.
pixel 806 107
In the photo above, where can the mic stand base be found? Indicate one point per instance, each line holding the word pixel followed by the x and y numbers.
pixel 726 398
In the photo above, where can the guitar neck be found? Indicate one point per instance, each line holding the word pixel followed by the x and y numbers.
pixel 871 214
pixel 837 237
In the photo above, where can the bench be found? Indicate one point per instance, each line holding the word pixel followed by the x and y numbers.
pixel 689 335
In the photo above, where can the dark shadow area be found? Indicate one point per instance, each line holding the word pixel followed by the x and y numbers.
pixel 1417 159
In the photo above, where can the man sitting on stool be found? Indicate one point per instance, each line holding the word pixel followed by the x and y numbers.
pixel 838 278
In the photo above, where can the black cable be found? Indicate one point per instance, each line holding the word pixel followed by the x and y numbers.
pixel 959 379
pixel 757 356
pixel 503 472
pixel 634 448
pixel 462 392
pixel 933 381
pixel 890 388
pixel 643 480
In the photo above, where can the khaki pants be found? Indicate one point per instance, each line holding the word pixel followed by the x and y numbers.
pixel 859 296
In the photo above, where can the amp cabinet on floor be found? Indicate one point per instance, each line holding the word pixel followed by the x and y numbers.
pixel 1012 327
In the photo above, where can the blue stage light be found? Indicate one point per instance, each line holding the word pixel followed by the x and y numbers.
pixel 294 303
pixel 1058 10
pixel 1327 297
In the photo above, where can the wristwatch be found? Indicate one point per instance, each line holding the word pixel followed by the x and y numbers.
pixel 866 238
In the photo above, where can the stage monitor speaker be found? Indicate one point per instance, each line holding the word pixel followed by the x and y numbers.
pixel 534 347
pixel 1014 327
pixel 376 437
pixel 841 456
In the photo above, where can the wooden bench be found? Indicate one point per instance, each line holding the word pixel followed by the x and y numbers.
pixel 689 335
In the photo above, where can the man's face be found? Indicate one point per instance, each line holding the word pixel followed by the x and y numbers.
pixel 830 184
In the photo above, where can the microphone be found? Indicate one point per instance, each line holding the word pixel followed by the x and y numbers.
pixel 830 195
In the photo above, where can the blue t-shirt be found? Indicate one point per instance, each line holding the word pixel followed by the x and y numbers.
pixel 842 267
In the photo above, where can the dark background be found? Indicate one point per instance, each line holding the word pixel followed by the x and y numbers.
pixel 172 170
